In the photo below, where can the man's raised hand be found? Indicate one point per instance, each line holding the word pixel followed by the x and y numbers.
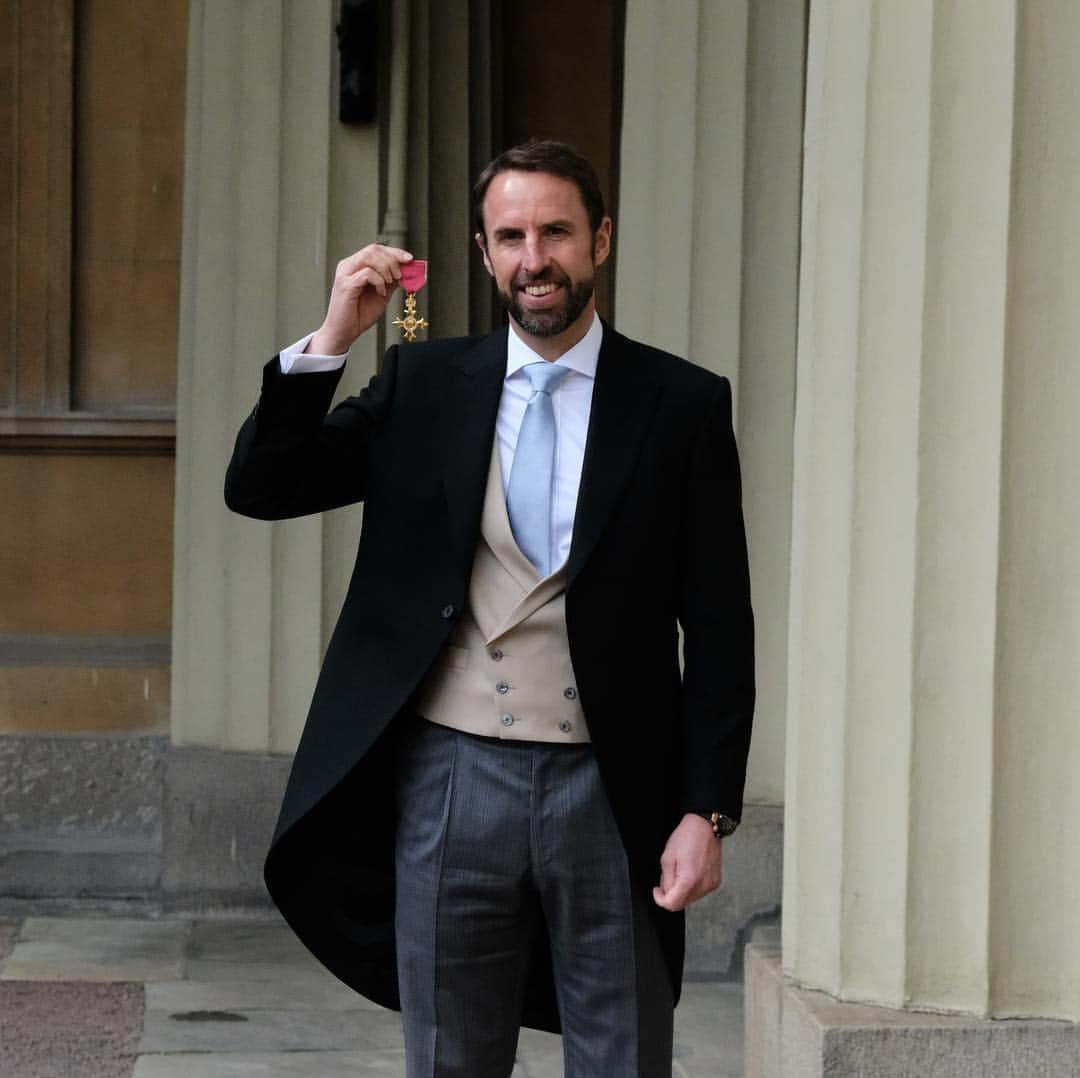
pixel 363 285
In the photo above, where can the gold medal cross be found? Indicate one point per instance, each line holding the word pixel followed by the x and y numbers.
pixel 411 322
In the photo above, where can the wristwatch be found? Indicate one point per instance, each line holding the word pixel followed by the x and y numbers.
pixel 722 825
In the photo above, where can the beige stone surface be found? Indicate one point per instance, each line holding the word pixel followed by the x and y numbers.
pixel 275 193
pixel 795 1033
pixel 350 1064
pixel 275 1018
pixel 932 735
pixel 707 260
pixel 96 949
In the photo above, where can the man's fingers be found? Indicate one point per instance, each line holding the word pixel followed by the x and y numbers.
pixel 672 888
pixel 668 873
pixel 399 254
pixel 675 897
pixel 680 887
pixel 386 260
pixel 368 270
pixel 369 276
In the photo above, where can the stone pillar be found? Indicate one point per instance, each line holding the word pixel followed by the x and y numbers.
pixel 933 743
pixel 707 258
pixel 706 245
pixel 276 191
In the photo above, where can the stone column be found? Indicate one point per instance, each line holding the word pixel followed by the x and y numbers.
pixel 707 251
pixel 706 245
pixel 276 191
pixel 931 863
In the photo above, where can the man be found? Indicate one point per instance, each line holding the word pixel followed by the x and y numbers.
pixel 506 790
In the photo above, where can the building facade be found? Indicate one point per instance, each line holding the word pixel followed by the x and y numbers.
pixel 860 211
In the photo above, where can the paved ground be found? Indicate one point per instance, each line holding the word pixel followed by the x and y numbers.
pixel 120 997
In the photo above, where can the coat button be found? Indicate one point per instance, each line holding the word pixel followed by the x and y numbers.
pixel 508 720
pixel 570 693
pixel 566 726
pixel 502 688
pixel 496 654
pixel 448 611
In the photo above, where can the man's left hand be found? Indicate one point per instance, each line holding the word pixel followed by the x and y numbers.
pixel 690 864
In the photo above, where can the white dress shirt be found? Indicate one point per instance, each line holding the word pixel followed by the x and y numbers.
pixel 571 401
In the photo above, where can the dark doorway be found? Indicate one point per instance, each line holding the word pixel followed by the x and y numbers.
pixel 557 73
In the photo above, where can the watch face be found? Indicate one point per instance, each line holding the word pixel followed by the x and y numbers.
pixel 724 825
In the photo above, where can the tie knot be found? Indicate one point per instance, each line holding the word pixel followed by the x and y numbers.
pixel 544 377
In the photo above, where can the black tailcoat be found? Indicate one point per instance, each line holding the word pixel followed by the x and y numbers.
pixel 658 544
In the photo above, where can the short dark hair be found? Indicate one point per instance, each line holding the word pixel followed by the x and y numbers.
pixel 543 155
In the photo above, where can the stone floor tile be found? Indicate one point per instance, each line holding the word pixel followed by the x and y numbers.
pixel 206 1030
pixel 206 969
pixel 267 940
pixel 272 1065
pixel 539 1055
pixel 300 992
pixel 708 1038
pixel 709 1031
pixel 9 930
pixel 96 949
pixel 292 1017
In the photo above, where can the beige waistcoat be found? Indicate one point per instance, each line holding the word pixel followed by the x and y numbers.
pixel 506 670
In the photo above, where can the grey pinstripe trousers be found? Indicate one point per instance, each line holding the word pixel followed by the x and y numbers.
pixel 492 836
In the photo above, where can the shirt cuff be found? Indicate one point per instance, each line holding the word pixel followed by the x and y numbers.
pixel 294 360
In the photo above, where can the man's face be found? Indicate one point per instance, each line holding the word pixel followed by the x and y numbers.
pixel 541 252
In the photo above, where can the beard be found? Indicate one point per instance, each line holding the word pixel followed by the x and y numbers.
pixel 552 322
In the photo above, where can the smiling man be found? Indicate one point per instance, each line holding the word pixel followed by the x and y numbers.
pixel 544 247
pixel 508 787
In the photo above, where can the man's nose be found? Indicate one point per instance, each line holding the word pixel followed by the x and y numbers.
pixel 534 258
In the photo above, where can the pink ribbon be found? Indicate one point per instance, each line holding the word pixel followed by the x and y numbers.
pixel 414 275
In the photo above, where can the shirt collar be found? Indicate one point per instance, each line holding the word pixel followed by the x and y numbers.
pixel 582 357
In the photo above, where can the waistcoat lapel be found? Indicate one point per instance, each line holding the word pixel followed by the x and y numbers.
pixel 496 530
pixel 499 537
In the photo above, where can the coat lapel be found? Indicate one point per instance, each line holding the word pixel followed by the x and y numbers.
pixel 624 398
pixel 469 407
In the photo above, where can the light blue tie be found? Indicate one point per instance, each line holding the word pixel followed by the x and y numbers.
pixel 528 495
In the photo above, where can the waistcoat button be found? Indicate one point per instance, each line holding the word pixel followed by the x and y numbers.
pixel 448 611
pixel 508 720
pixel 566 726
pixel 496 654
pixel 502 688
pixel 570 693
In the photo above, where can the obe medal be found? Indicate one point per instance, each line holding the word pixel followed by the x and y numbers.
pixel 413 278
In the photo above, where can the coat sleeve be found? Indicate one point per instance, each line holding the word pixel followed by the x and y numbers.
pixel 717 622
pixel 291 458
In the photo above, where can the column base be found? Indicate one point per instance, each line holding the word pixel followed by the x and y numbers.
pixel 219 813
pixel 795 1033
pixel 133 823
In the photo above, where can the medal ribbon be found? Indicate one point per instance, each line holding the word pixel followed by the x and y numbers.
pixel 413 278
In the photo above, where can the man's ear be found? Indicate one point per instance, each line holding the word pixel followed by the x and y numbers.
pixel 602 242
pixel 479 237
